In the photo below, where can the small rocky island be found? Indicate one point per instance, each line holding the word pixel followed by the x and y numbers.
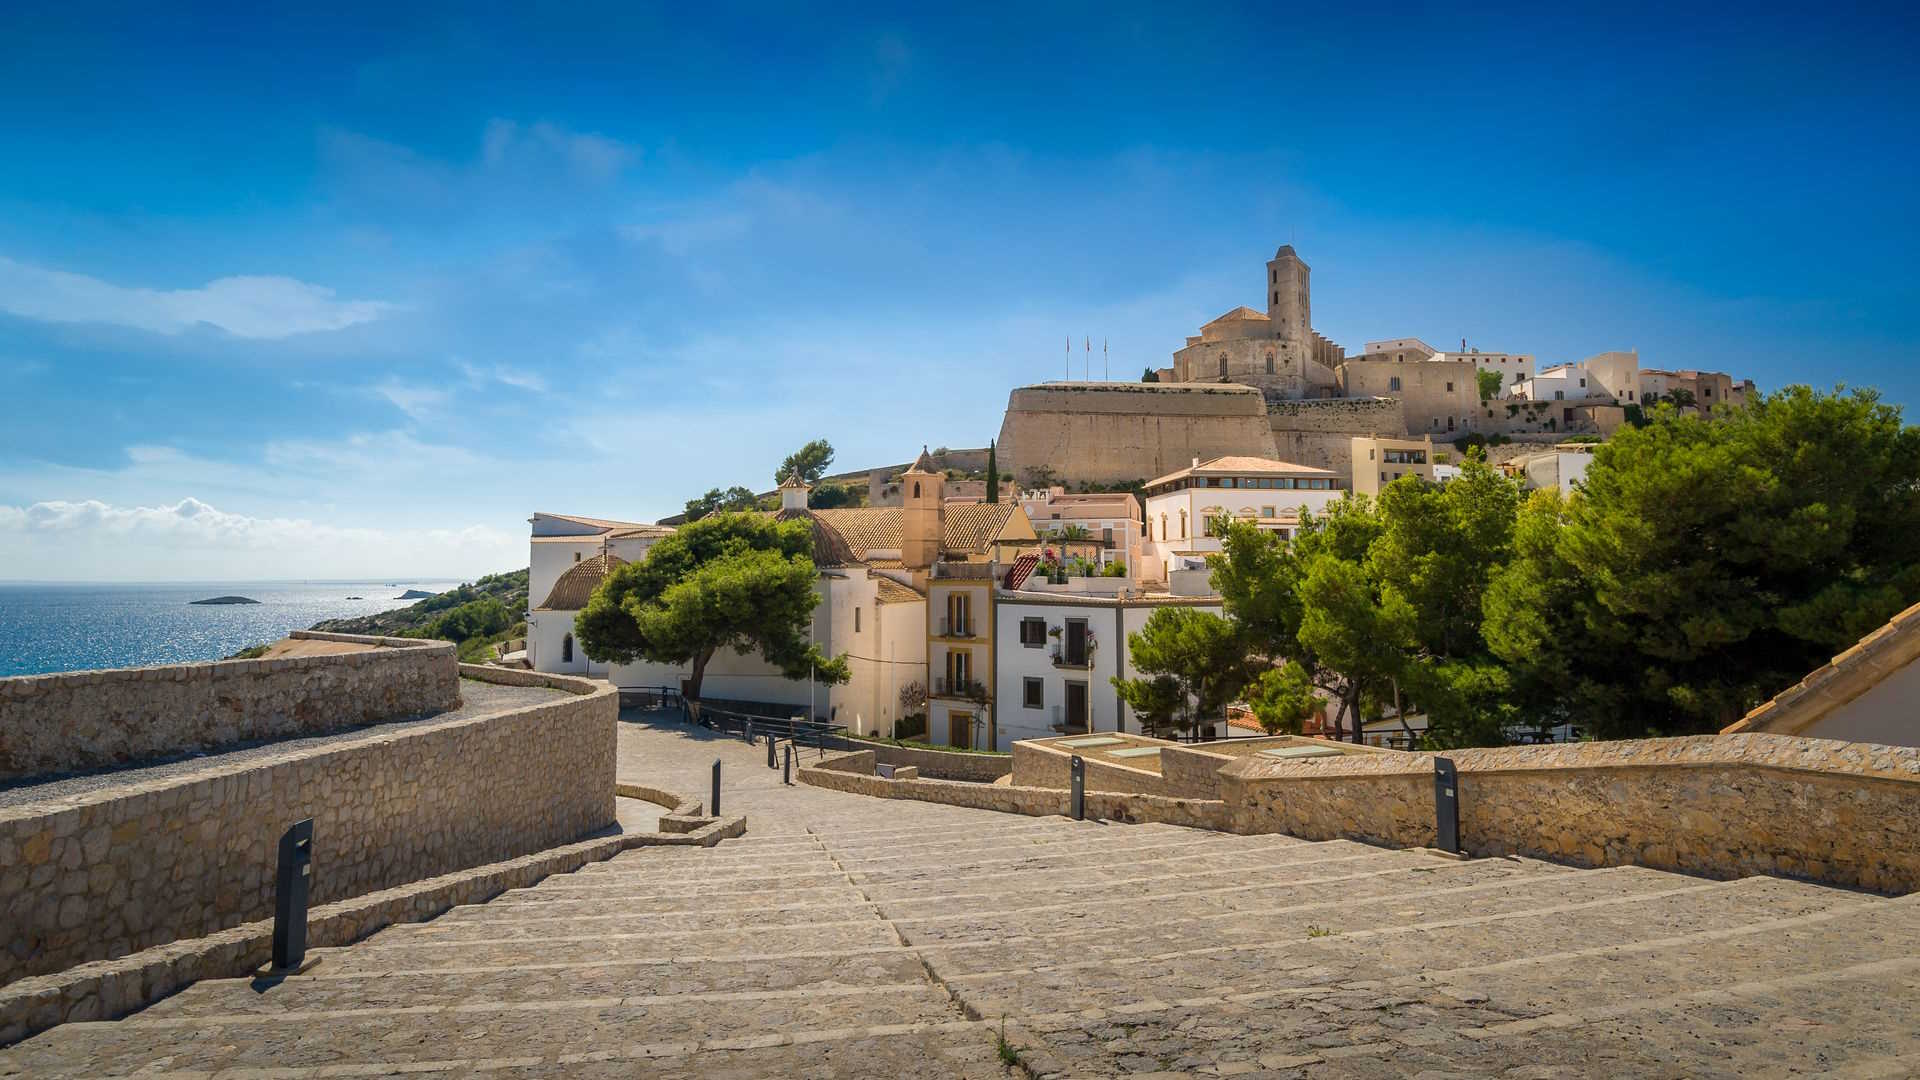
pixel 413 594
pixel 227 600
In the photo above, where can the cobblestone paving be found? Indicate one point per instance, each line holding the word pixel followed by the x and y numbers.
pixel 853 937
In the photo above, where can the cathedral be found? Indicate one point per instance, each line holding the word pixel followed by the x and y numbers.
pixel 1276 351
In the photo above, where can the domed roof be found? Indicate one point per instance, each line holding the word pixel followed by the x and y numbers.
pixel 1285 250
pixel 576 586
pixel 829 547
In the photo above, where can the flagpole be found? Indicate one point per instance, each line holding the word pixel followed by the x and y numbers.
pixel 1069 357
pixel 1106 374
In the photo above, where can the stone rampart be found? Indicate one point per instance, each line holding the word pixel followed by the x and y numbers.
pixel 1319 432
pixel 943 764
pixel 1038 765
pixel 82 720
pixel 1717 805
pixel 1115 432
pixel 125 866
pixel 853 772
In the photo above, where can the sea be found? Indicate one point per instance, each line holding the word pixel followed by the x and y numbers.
pixel 47 628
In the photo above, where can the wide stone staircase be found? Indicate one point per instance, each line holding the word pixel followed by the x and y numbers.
pixel 974 945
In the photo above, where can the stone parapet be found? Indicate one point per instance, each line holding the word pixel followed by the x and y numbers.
pixel 81 720
pixel 942 764
pixel 126 866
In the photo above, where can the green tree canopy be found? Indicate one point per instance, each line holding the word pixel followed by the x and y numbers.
pixel 1705 564
pixel 716 501
pixel 1202 653
pixel 1489 383
pixel 810 461
pixel 1282 699
pixel 737 581
pixel 993 472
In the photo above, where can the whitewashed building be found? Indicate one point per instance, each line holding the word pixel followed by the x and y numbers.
pixel 1056 654
pixel 1262 491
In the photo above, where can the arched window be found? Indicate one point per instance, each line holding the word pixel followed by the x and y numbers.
pixel 916 489
pixel 1183 524
pixel 566 649
pixel 1223 366
pixel 1269 363
pixel 1163 526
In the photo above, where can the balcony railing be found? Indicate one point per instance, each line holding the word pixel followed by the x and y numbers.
pixel 959 688
pixel 1068 658
pixel 955 628
pixel 1061 725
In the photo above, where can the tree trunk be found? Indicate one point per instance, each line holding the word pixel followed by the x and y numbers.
pixel 690 688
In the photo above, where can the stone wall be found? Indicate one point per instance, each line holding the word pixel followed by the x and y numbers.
pixel 853 772
pixel 82 720
pixel 1716 805
pixel 944 765
pixel 1114 432
pixel 126 866
pixel 1041 766
pixel 1319 432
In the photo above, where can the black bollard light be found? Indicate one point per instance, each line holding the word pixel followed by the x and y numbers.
pixel 1446 805
pixel 772 762
pixel 749 733
pixel 292 885
pixel 786 771
pixel 713 809
pixel 1078 802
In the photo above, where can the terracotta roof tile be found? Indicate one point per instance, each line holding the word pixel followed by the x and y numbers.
pixel 1846 677
pixel 576 586
pixel 893 592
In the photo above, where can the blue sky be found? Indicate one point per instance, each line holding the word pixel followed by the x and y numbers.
pixel 355 293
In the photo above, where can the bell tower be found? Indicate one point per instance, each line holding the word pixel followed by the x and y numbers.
pixel 1289 304
pixel 923 493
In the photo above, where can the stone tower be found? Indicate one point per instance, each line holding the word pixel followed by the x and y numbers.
pixel 923 494
pixel 1289 307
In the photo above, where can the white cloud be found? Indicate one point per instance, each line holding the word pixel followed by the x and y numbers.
pixel 588 155
pixel 248 307
pixel 65 538
pixel 415 400
pixel 368 454
pixel 516 378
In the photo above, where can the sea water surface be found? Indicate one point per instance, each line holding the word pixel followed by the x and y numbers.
pixel 77 627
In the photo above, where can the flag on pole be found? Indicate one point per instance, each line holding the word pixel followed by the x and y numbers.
pixel 1087 362
pixel 1104 373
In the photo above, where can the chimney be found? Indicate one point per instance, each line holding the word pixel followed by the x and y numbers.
pixel 1196 463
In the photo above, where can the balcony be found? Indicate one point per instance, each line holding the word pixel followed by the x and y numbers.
pixel 1077 726
pixel 955 628
pixel 1079 660
pixel 966 689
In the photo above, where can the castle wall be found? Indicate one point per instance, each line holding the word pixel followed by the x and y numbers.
pixel 1319 431
pixel 1109 432
pixel 1438 397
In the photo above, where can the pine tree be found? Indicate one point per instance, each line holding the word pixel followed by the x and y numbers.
pixel 993 473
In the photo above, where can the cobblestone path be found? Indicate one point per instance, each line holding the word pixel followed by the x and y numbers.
pixel 852 937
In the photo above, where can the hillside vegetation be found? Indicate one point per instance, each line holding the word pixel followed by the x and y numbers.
pixel 474 616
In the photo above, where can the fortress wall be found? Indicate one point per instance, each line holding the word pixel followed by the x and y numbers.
pixel 1120 432
pixel 1318 431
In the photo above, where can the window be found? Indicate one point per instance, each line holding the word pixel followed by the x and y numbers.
pixel 1269 363
pixel 566 649
pixel 916 489
pixel 1583 382
pixel 1266 511
pixel 1183 524
pixel 576 556
pixel 856 620
pixel 1033 694
pixel 1106 536
pixel 1276 298
pixel 1393 383
pixel 1369 453
pixel 1559 395
pixel 1383 477
pixel 1449 388
pixel 1223 367
pixel 1163 526
pixel 1629 395
pixel 1033 632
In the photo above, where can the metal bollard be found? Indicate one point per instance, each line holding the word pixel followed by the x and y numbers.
pixel 1078 802
pixel 713 808
pixel 1446 805
pixel 772 763
pixel 749 733
pixel 292 885
pixel 786 772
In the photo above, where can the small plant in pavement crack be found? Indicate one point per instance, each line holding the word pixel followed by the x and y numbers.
pixel 1005 1049
pixel 1317 931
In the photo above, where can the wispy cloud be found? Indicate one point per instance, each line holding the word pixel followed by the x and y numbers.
pixel 515 378
pixel 416 400
pixel 248 307
pixel 195 534
pixel 588 155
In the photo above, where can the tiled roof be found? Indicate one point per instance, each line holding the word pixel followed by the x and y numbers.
pixel 1243 466
pixel 1022 569
pixel 893 592
pixel 1241 314
pixel 575 586
pixel 641 531
pixel 602 523
pixel 830 548
pixel 967 527
pixel 1846 677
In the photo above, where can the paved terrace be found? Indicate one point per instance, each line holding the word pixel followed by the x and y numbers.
pixel 855 937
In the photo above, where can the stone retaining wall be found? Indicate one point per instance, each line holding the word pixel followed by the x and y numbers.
pixel 82 720
pixel 1717 805
pixel 1042 766
pixel 853 772
pixel 124 867
pixel 941 764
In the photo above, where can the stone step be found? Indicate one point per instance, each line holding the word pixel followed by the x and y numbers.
pixel 747 892
pixel 961 848
pixel 1294 955
pixel 320 988
pixel 556 907
pixel 1015 911
pixel 484 1034
pixel 625 918
pixel 375 954
pixel 786 875
pixel 1387 901
pixel 1069 857
pixel 1116 876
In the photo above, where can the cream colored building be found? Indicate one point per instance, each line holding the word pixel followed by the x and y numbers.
pixel 1379 462
pixel 1182 505
pixel 1866 694
pixel 1436 397
pixel 1276 350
